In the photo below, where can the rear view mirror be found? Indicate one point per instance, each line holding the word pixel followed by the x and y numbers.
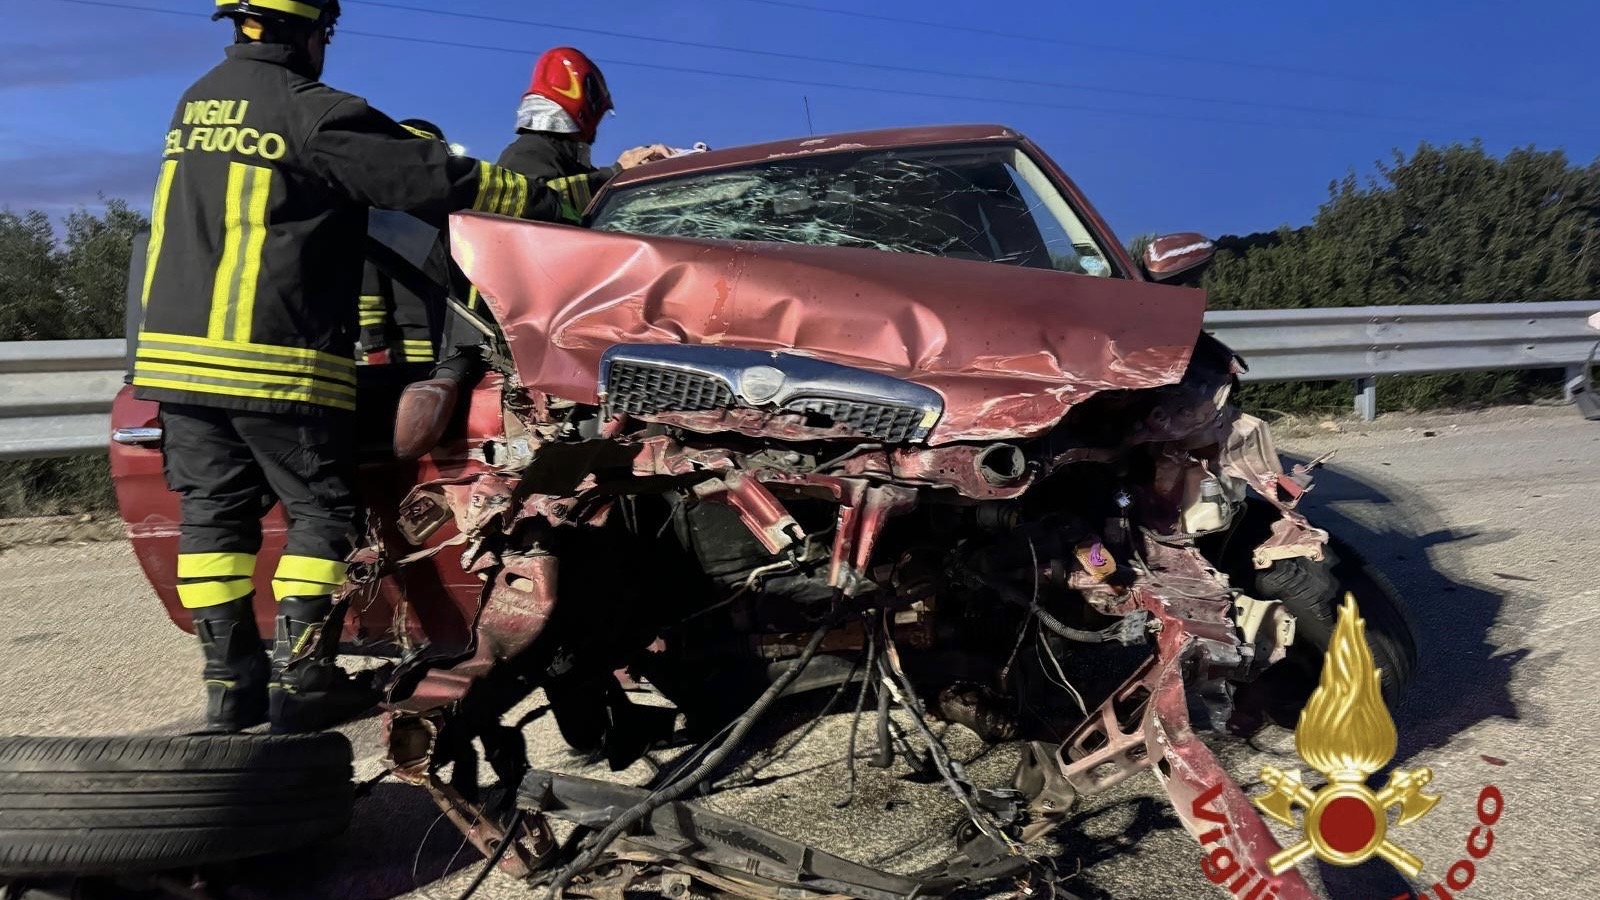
pixel 1177 258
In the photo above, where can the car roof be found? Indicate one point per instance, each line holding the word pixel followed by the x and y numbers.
pixel 746 154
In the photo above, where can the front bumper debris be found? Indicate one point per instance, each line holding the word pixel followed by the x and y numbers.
pixel 682 838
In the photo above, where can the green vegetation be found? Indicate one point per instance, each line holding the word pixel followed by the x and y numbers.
pixel 61 289
pixel 1442 225
pixel 1446 225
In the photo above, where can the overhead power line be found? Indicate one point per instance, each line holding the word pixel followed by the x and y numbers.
pixel 935 95
pixel 1478 88
pixel 775 79
pixel 888 67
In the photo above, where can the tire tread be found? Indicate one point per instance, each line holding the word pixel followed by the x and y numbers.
pixel 98 805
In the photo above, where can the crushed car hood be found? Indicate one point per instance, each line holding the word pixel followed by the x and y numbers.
pixel 1010 349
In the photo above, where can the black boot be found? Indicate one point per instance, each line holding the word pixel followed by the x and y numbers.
pixel 308 691
pixel 235 672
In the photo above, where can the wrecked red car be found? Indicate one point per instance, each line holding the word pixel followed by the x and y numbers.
pixel 892 409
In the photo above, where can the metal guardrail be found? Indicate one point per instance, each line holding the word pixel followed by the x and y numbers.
pixel 1364 342
pixel 55 396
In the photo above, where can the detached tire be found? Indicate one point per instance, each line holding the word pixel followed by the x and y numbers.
pixel 101 805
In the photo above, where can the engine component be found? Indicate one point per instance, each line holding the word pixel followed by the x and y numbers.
pixel 1095 559
pixel 1266 625
pixel 1205 506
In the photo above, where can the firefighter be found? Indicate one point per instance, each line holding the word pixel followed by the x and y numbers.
pixel 556 126
pixel 397 326
pixel 248 341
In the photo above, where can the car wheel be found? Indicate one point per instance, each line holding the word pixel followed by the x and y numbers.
pixel 93 805
pixel 1312 591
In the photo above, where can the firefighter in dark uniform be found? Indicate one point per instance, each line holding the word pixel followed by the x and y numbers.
pixel 556 127
pixel 557 123
pixel 397 326
pixel 248 340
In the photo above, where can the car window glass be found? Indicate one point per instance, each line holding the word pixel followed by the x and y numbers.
pixel 1066 240
pixel 987 203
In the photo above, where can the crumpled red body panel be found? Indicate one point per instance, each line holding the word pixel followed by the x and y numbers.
pixel 1009 348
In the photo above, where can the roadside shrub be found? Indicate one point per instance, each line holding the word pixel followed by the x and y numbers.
pixel 71 287
pixel 1447 224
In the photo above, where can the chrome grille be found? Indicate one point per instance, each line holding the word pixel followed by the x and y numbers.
pixel 639 389
pixel 891 424
pixel 650 379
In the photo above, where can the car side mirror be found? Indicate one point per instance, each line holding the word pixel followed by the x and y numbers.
pixel 1177 258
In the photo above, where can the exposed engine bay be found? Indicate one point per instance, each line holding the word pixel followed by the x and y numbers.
pixel 691 550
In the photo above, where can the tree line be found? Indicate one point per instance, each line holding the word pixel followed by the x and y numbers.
pixel 61 286
pixel 1451 224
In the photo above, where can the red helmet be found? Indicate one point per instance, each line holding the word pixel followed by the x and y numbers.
pixel 573 82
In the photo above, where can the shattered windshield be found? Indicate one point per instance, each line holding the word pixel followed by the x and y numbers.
pixel 989 203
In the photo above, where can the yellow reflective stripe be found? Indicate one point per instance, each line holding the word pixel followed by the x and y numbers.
pixel 302 382
pixel 369 303
pixel 215 565
pixel 508 200
pixel 564 186
pixel 268 352
pixel 516 199
pixel 214 359
pixel 229 390
pixel 501 183
pixel 233 291
pixel 227 268
pixel 371 319
pixel 508 192
pixel 292 7
pixel 574 190
pixel 256 239
pixel 417 351
pixel 310 568
pixel 158 227
pixel 485 176
pixel 201 594
pixel 284 589
pixel 210 380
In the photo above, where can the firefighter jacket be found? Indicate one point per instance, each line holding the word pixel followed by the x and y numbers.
pixel 394 318
pixel 258 231
pixel 562 160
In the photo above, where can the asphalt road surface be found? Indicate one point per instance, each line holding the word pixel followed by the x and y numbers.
pixel 1487 523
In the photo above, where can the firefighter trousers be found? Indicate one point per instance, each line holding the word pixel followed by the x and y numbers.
pixel 228 468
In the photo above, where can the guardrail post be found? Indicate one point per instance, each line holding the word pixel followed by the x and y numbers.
pixel 1367 398
pixel 1573 381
